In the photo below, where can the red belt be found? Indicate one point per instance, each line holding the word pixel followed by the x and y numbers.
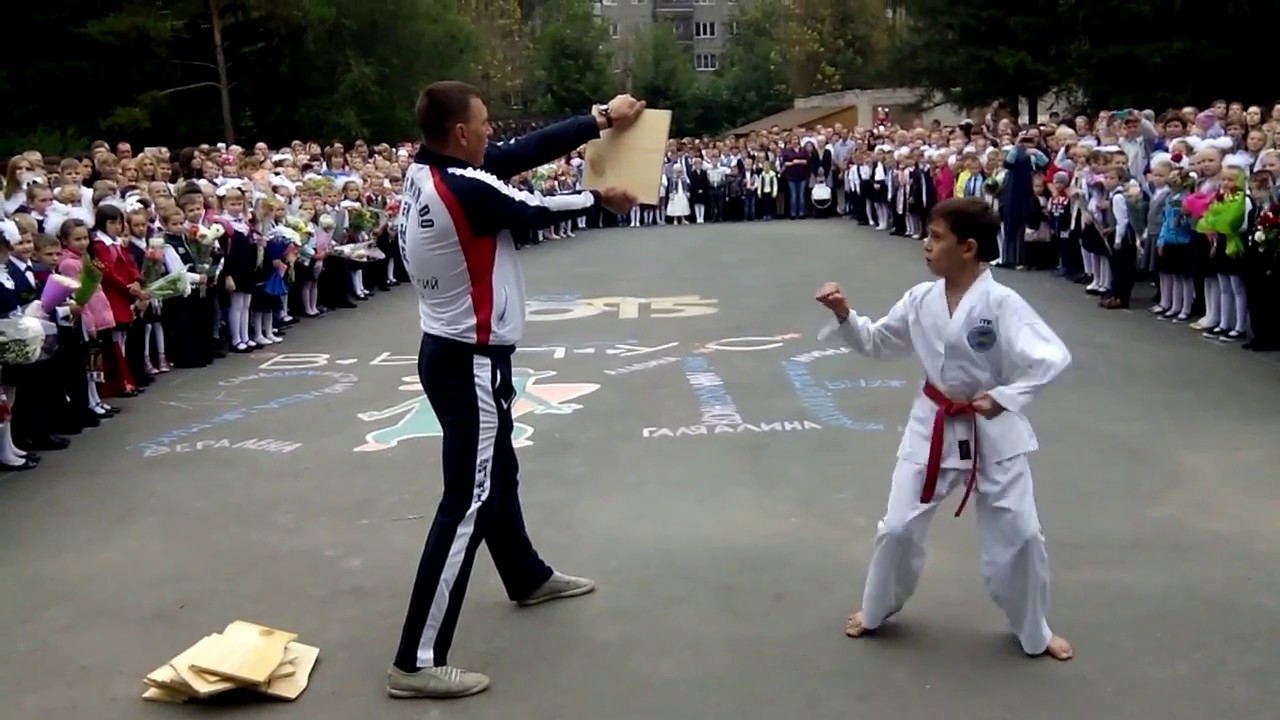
pixel 947 408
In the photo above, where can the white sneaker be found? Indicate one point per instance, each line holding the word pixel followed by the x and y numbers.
pixel 559 586
pixel 435 682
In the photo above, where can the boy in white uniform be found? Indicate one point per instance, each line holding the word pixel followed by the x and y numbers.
pixel 986 354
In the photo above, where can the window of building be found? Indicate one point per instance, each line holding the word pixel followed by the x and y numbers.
pixel 704 2
pixel 733 28
pixel 639 2
pixel 609 2
pixel 705 61
pixel 704 29
pixel 614 30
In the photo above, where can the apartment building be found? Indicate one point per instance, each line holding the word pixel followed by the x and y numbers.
pixel 702 26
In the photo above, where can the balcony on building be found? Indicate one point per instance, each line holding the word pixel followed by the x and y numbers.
pixel 673 7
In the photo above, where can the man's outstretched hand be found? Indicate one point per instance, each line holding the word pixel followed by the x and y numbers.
pixel 623 112
pixel 617 201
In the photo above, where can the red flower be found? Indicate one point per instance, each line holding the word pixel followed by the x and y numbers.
pixel 1176 158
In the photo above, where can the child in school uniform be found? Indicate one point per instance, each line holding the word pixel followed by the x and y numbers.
pixel 96 320
pixel 1159 168
pixel 1111 213
pixel 921 195
pixel 1173 242
pixel 1226 221
pixel 123 287
pixel 239 268
pixel 1262 271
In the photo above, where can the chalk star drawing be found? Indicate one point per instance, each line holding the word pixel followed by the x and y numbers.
pixel 417 420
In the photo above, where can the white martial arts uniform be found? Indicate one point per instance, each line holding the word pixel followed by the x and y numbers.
pixel 996 343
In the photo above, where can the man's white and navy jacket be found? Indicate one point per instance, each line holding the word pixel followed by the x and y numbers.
pixel 456 232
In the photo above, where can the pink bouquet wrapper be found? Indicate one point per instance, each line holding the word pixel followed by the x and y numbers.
pixel 57 291
pixel 323 240
pixel 1197 204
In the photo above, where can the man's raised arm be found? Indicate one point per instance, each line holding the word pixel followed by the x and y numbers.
pixel 556 141
pixel 540 147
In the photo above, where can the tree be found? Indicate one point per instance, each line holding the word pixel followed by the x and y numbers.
pixel 664 75
pixel 971 54
pixel 754 69
pixel 571 69
pixel 502 63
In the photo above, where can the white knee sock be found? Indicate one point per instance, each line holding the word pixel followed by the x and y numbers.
pixel 9 452
pixel 255 328
pixel 238 318
pixel 94 399
pixel 1102 280
pixel 1242 305
pixel 1166 291
pixel 268 327
pixel 1188 293
pixel 157 335
pixel 1210 319
pixel 1226 303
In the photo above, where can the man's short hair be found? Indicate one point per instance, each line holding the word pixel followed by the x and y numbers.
pixel 971 219
pixel 443 105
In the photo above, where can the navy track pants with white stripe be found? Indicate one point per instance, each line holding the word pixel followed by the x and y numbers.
pixel 471 392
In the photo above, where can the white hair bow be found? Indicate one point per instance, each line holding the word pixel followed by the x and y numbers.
pixel 9 231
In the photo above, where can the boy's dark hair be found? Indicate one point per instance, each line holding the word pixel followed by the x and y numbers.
pixel 971 219
pixel 189 199
pixel 45 242
pixel 1173 116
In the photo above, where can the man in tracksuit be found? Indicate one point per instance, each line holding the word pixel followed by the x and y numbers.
pixel 459 216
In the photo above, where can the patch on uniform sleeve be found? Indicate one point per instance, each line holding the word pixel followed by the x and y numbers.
pixel 982 337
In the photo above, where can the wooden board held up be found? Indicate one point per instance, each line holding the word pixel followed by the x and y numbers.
pixel 631 159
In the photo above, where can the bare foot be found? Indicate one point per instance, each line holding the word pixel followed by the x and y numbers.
pixel 1058 649
pixel 854 627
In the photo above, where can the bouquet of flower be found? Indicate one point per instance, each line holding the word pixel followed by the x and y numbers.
pixel 24 340
pixel 358 252
pixel 327 223
pixel 1267 229
pixel 206 240
pixel 992 185
pixel 361 219
pixel 317 184
pixel 175 284
pixel 153 261
pixel 57 291
pixel 1225 218
pixel 90 279
pixel 1196 204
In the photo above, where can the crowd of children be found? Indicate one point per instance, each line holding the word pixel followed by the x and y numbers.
pixel 211 251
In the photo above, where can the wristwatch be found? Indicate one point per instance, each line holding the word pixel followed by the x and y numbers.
pixel 603 109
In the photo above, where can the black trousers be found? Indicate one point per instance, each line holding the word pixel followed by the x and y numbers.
pixel 471 391
pixel 1262 289
pixel 1124 266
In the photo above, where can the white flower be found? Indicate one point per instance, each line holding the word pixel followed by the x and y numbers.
pixel 327 222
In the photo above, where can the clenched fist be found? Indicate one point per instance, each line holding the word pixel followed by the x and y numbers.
pixel 830 297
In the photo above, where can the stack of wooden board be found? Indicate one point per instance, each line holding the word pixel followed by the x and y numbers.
pixel 244 656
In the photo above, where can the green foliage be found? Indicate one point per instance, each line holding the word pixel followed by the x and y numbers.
pixel 971 54
pixel 754 69
pixel 663 71
pixel 294 69
pixel 570 63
